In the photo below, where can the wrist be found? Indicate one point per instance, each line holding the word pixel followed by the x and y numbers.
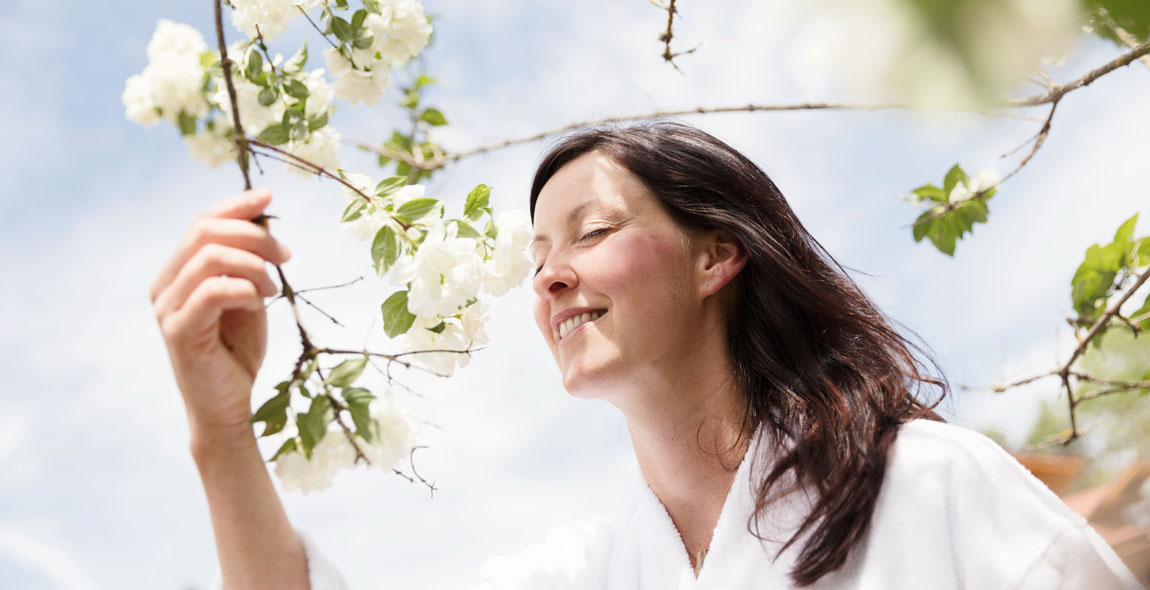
pixel 207 439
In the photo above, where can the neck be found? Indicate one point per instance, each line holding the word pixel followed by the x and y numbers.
pixel 687 431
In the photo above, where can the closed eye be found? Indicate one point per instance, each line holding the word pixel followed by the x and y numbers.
pixel 593 233
pixel 585 236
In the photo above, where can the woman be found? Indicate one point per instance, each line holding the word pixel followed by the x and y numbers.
pixel 772 408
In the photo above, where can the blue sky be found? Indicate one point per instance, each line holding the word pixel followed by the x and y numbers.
pixel 98 490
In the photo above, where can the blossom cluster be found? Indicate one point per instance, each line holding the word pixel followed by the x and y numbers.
pixel 446 265
pixel 958 187
pixel 279 101
pixel 383 35
pixel 394 430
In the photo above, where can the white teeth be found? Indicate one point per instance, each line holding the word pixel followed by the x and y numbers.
pixel 569 324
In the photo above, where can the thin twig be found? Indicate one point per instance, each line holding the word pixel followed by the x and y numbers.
pixel 238 128
pixel 1047 97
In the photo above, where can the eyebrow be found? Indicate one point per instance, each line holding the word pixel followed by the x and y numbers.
pixel 570 217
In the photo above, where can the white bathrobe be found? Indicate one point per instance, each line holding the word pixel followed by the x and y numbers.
pixel 954 511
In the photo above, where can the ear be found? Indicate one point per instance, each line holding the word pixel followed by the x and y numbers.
pixel 721 257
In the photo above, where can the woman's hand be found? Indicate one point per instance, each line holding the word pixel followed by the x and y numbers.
pixel 209 302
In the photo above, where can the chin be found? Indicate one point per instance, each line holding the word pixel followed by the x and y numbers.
pixel 589 381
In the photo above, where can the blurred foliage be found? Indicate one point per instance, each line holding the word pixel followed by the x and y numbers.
pixel 1132 15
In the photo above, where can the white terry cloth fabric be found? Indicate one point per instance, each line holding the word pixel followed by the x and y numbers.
pixel 955 511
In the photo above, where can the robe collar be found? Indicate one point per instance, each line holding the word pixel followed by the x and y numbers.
pixel 649 553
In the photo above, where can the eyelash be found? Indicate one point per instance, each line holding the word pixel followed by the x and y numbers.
pixel 587 235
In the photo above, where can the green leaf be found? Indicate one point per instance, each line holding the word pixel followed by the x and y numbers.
pixel 359 403
pixel 465 230
pixel 208 59
pixel 438 328
pixel 354 209
pixel 342 29
pixel 274 425
pixel 491 231
pixel 433 117
pixel 384 249
pixel 341 4
pixel 288 447
pixel 396 318
pixel 399 142
pixel 273 407
pixel 423 80
pixel 415 209
pixel 255 66
pixel 274 134
pixel 296 89
pixel 410 100
pixel 1123 241
pixel 388 186
pixel 317 122
pixel 953 177
pixel 353 395
pixel 363 39
pixel 361 416
pixel 477 199
pixel 187 124
pixel 268 96
pixel 313 423
pixel 1140 252
pixel 1141 311
pixel 931 192
pixel 297 61
pixel 403 168
pixel 358 18
pixel 345 373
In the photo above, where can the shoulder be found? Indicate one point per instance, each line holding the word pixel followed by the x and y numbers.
pixel 961 463
pixel 571 555
pixel 962 503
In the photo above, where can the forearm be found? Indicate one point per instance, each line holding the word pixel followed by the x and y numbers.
pixel 257 545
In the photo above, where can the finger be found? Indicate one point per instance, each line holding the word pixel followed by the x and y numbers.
pixel 211 298
pixel 229 232
pixel 245 205
pixel 210 261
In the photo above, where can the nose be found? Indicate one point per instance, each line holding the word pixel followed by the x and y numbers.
pixel 555 278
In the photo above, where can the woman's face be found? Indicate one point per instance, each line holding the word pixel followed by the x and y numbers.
pixel 607 246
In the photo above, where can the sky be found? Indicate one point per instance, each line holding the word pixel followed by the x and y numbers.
pixel 98 489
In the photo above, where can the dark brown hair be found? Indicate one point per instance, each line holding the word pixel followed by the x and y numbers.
pixel 818 363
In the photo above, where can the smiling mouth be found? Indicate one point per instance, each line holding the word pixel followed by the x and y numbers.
pixel 573 323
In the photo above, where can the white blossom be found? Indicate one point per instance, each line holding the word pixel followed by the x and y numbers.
pixel 509 264
pixel 472 319
pixel 395 433
pixel 372 218
pixel 172 40
pixel 448 272
pixel 212 146
pixel 400 30
pixel 319 149
pixel 332 453
pixel 271 16
pixel 320 94
pixel 985 179
pixel 170 83
pixel 450 338
pixel 364 82
pixel 139 106
pixel 255 116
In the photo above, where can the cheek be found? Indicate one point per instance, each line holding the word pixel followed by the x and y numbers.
pixel 542 320
pixel 646 272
